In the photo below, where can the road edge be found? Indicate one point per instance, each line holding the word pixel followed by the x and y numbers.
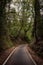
pixel 30 57
pixel 9 56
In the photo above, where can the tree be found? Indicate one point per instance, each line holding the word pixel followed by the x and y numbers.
pixel 20 19
pixel 36 19
pixel 4 36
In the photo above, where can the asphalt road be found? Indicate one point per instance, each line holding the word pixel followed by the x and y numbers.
pixel 20 57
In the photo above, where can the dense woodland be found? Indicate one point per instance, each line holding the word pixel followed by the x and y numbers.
pixel 21 19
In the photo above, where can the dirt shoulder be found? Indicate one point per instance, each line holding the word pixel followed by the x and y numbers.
pixel 37 59
pixel 4 54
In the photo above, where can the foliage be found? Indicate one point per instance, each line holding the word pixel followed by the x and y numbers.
pixel 38 28
pixel 4 36
pixel 20 21
pixel 20 18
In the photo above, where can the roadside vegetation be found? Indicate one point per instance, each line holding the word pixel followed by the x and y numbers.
pixel 21 20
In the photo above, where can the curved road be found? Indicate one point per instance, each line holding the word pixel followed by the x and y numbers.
pixel 20 56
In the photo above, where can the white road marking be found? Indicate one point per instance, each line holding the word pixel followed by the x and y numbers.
pixel 14 51
pixel 9 56
pixel 30 57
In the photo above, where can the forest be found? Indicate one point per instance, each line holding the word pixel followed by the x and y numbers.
pixel 21 20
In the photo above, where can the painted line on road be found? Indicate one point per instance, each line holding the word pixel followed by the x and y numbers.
pixel 14 51
pixel 30 56
pixel 9 56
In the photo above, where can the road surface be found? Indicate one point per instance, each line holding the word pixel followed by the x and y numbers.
pixel 20 57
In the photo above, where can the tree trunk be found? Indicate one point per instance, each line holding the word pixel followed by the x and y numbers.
pixel 36 20
pixel 4 36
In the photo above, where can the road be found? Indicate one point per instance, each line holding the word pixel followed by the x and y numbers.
pixel 20 56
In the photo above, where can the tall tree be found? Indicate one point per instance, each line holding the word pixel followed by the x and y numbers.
pixel 36 18
pixel 4 38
